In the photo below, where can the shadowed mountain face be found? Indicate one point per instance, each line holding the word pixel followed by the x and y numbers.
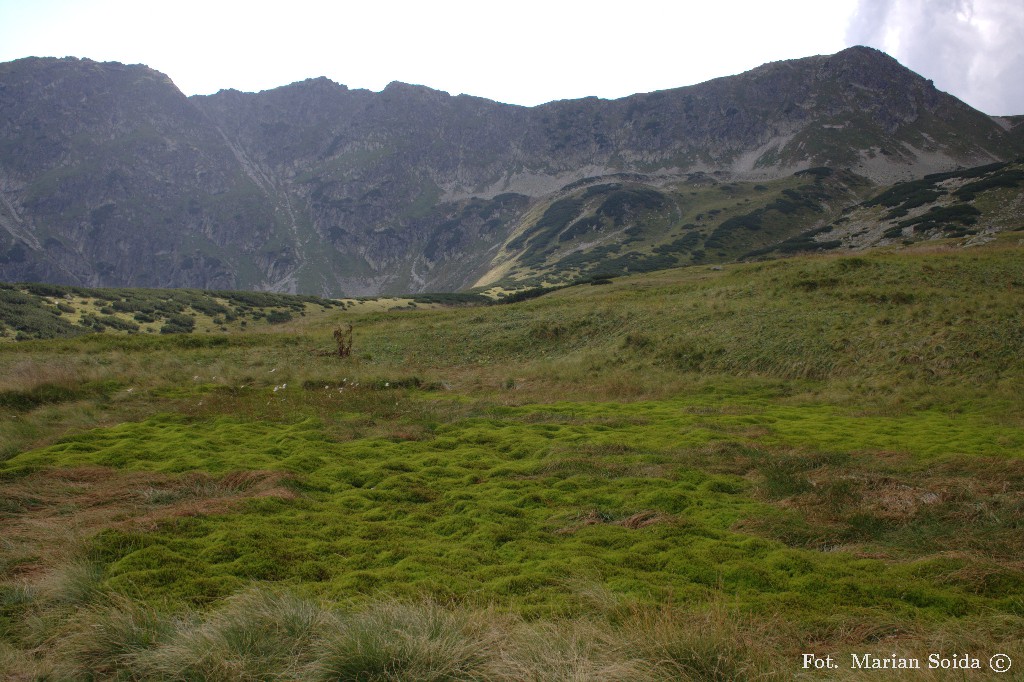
pixel 109 176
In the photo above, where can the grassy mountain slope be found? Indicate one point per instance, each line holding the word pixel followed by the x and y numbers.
pixel 972 203
pixel 691 474
pixel 635 223
pixel 632 223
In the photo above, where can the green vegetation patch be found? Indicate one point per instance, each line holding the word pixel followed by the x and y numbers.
pixel 938 216
pixel 518 505
pixel 795 206
pixel 621 204
pixel 23 317
pixel 42 311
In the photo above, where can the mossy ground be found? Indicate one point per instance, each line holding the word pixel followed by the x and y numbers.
pixel 825 448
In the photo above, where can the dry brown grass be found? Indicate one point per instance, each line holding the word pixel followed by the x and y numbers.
pixel 264 633
pixel 27 374
pixel 17 665
pixel 48 513
pixel 971 508
pixel 635 521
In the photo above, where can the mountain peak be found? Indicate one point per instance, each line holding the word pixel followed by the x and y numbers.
pixel 396 87
pixel 320 82
pixel 864 51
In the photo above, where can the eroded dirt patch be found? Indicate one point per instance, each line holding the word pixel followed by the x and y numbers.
pixel 636 521
pixel 963 505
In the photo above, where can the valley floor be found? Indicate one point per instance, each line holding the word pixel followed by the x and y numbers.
pixel 725 474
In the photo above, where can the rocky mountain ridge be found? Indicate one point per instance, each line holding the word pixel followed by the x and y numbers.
pixel 110 176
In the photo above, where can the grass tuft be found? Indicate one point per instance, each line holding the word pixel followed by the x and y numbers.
pixel 392 641
pixel 76 583
pixel 258 634
pixel 109 640
pixel 716 645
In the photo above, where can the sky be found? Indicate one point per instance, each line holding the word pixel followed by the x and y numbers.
pixel 523 52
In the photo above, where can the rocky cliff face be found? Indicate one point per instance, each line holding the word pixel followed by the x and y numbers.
pixel 109 176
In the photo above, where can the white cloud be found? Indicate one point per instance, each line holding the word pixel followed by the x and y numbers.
pixel 973 49
pixel 526 52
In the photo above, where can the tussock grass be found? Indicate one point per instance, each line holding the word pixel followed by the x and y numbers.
pixel 107 641
pixel 74 583
pixel 256 635
pixel 393 641
pixel 581 650
pixel 19 665
pixel 264 633
pixel 714 645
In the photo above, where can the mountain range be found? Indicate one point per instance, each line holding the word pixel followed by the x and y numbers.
pixel 110 176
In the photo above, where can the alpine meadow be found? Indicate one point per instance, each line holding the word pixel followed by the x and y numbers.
pixel 724 382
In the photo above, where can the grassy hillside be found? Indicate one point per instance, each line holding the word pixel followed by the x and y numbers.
pixel 971 204
pixel 47 311
pixel 700 473
pixel 631 223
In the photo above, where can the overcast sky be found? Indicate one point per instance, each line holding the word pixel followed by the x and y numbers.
pixel 527 51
